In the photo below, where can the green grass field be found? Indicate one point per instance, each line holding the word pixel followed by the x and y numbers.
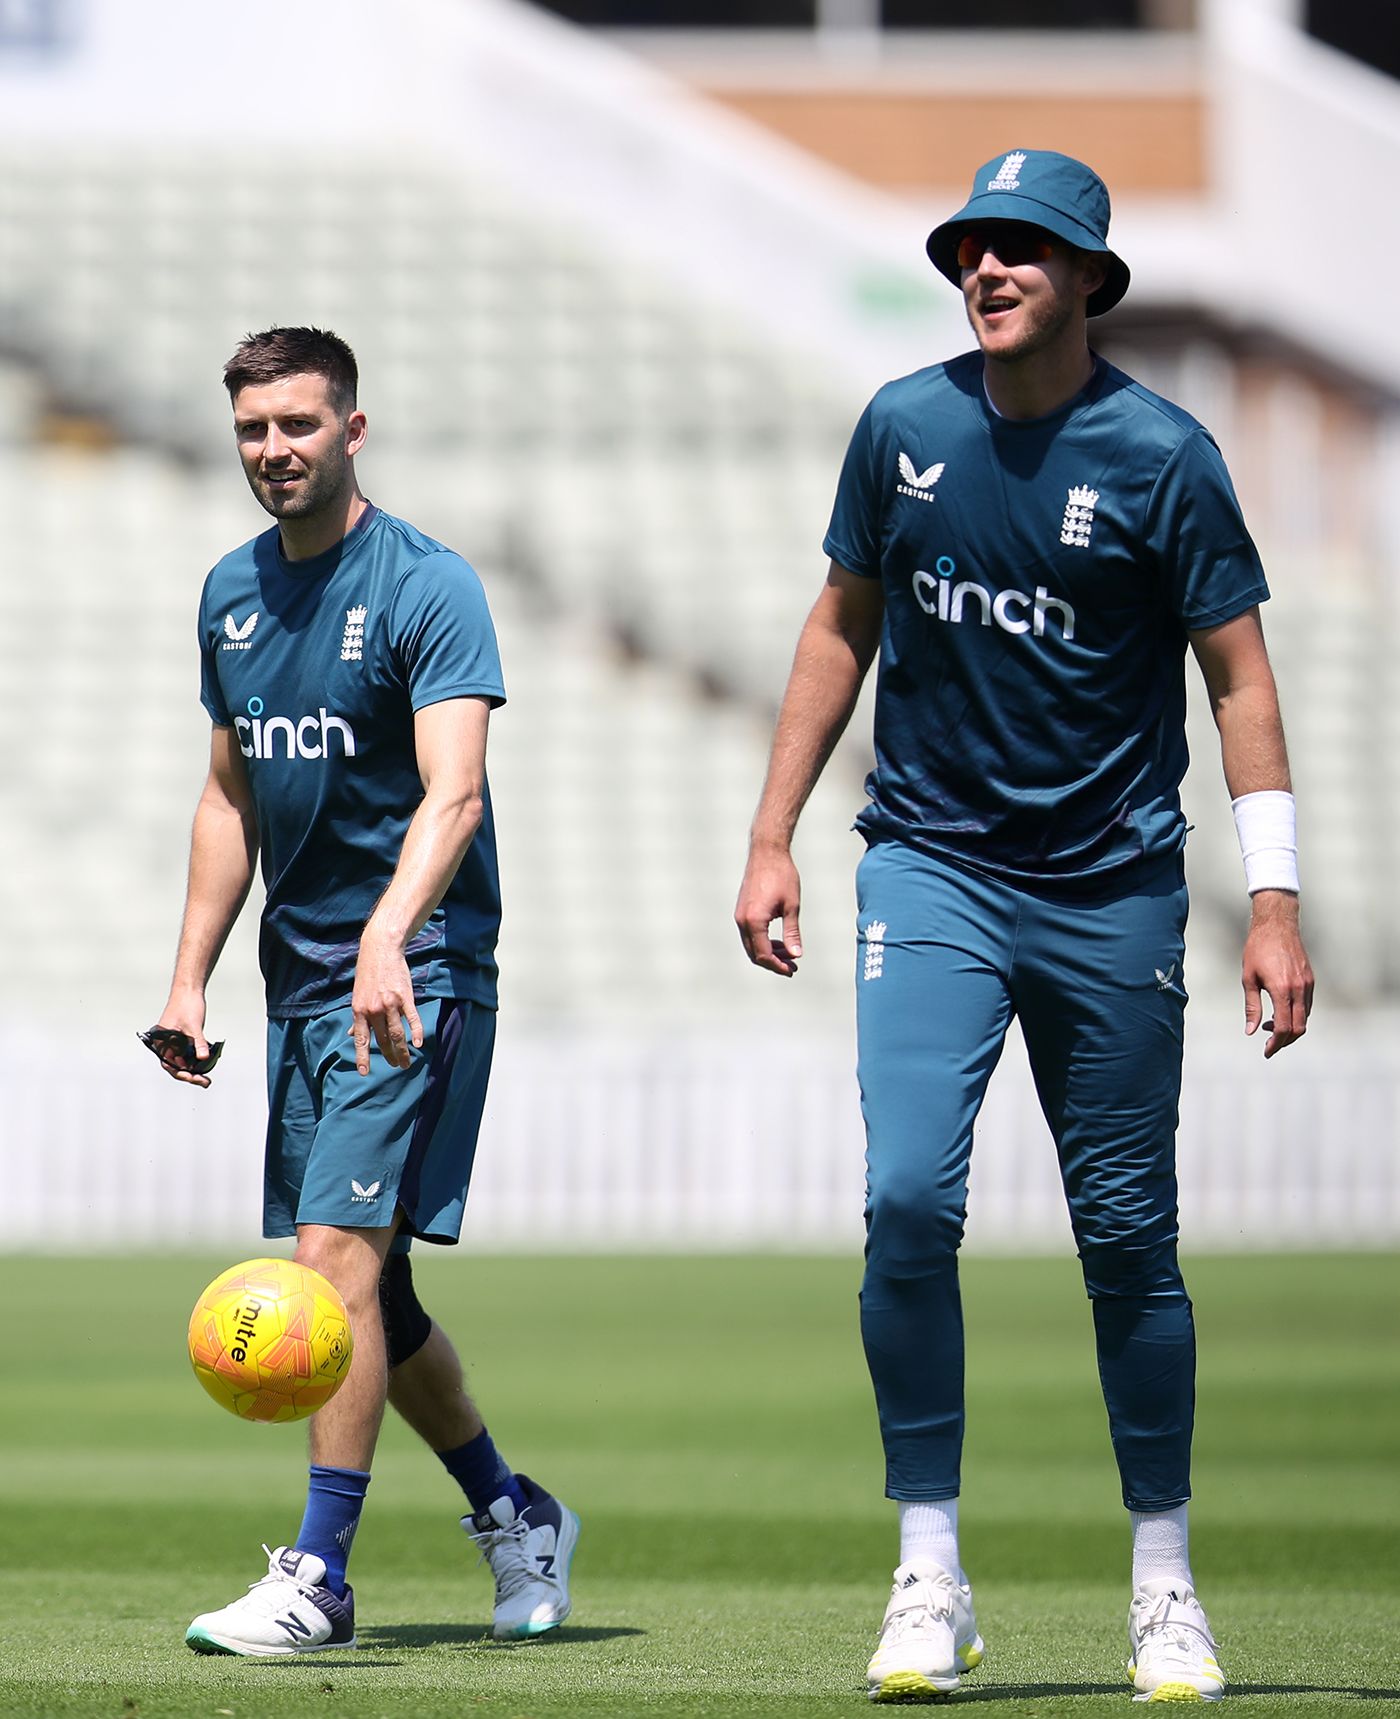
pixel 710 1420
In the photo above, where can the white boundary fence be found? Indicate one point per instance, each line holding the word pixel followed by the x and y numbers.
pixel 647 1142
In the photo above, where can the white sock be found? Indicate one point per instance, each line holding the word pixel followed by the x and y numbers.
pixel 929 1530
pixel 1159 1547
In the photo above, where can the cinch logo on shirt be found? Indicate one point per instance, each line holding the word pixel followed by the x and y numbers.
pixel 262 736
pixel 1012 611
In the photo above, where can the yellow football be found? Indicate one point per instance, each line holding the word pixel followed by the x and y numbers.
pixel 270 1340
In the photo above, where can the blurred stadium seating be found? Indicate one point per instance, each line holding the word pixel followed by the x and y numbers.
pixel 641 483
pixel 641 472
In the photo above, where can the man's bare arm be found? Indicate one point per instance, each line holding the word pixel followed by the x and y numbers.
pixel 450 740
pixel 834 651
pixel 1244 701
pixel 223 857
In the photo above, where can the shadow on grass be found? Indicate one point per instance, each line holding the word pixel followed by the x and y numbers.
pixel 320 1665
pixel 1047 1691
pixel 1031 1691
pixel 388 1637
pixel 1237 1689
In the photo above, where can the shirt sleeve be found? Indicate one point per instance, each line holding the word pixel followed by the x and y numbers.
pixel 853 537
pixel 442 632
pixel 1197 535
pixel 211 694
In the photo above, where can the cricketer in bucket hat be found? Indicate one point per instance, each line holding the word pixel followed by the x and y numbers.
pixel 1041 189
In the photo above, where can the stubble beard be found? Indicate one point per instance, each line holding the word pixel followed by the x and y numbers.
pixel 320 490
pixel 1040 331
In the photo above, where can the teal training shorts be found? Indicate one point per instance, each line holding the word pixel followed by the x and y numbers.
pixel 350 1149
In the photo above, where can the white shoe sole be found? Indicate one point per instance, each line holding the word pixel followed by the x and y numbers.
pixel 1179 1692
pixel 909 1687
pixel 204 1641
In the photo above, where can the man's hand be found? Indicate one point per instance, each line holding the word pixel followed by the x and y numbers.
pixel 1276 962
pixel 182 1022
pixel 382 1003
pixel 771 890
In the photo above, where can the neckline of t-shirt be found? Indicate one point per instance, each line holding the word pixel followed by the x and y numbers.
pixel 317 566
pixel 996 420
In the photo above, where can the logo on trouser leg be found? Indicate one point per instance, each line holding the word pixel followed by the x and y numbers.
pixel 875 948
pixel 1168 981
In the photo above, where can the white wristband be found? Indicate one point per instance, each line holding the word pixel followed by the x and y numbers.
pixel 1267 825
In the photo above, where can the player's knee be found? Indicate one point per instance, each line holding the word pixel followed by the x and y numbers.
pixel 911 1231
pixel 1132 1266
pixel 352 1270
pixel 406 1323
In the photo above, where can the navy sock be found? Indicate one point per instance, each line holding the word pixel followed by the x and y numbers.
pixel 482 1473
pixel 334 1499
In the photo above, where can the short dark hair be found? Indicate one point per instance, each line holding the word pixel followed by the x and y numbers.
pixel 279 352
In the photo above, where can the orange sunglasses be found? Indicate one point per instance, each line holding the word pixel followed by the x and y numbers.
pixel 1013 246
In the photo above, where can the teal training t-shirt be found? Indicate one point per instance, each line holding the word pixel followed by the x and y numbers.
pixel 1039 579
pixel 319 667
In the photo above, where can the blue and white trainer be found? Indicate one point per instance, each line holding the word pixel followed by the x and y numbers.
pixel 1173 1654
pixel 928 1638
pixel 529 1554
pixel 289 1610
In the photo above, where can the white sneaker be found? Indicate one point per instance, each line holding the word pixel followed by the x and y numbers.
pixel 929 1635
pixel 529 1555
pixel 1172 1649
pixel 289 1610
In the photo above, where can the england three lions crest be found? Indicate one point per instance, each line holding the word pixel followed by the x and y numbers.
pixel 1078 524
pixel 1008 176
pixel 352 643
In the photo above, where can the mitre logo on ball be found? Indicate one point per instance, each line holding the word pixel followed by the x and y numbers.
pixel 270 1340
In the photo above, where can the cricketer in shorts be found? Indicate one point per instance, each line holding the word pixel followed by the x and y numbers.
pixel 349 669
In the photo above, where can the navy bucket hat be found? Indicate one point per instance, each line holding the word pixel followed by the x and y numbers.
pixel 1042 189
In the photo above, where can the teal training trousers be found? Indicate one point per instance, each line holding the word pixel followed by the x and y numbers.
pixel 945 958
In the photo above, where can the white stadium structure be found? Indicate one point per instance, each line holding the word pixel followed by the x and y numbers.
pixel 615 322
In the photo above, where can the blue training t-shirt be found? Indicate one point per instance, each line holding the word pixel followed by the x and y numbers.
pixel 1039 579
pixel 319 666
